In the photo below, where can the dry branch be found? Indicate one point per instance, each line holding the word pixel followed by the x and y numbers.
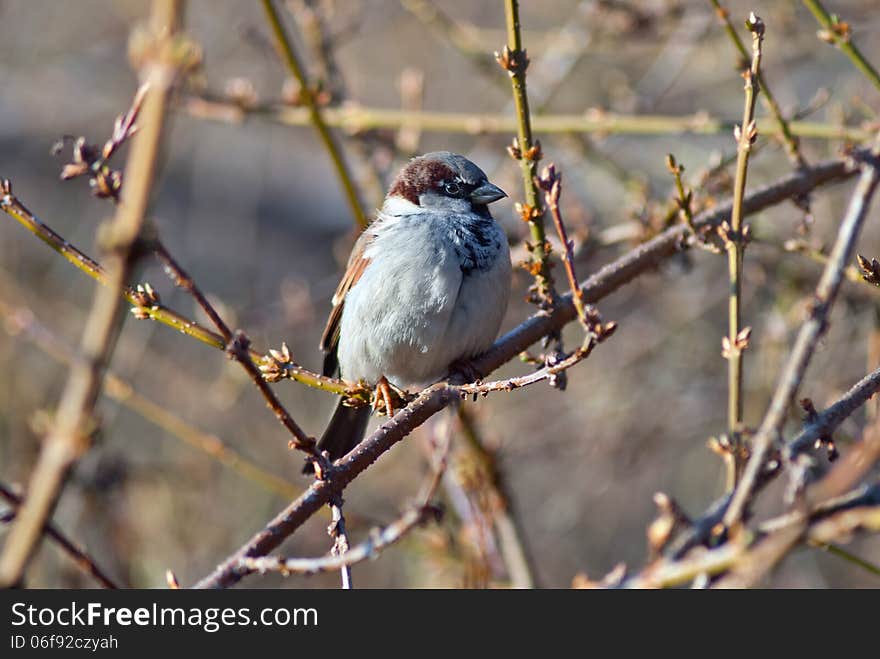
pixel 768 435
pixel 435 398
pixel 83 561
pixel 69 435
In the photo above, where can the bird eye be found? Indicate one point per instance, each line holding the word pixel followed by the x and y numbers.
pixel 452 188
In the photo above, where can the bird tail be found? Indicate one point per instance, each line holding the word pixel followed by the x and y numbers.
pixel 346 429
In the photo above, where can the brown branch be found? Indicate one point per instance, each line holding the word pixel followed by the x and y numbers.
pixel 83 561
pixel 147 305
pixel 707 527
pixel 238 348
pixel 548 372
pixel 768 434
pixel 21 320
pixel 377 540
pixel 69 436
pixel 428 403
pixel 826 504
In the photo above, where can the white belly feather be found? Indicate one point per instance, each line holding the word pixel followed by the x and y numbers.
pixel 437 314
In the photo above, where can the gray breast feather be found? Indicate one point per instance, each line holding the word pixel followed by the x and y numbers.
pixel 435 291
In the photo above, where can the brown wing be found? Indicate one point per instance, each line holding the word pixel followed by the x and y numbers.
pixel 357 263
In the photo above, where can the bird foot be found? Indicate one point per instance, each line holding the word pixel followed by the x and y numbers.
pixel 385 397
pixel 466 369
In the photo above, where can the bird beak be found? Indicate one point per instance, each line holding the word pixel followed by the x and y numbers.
pixel 487 193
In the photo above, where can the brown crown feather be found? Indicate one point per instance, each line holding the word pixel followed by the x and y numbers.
pixel 420 176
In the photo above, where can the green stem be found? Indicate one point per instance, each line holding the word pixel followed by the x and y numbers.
pixel 515 60
pixel 792 147
pixel 832 28
pixel 13 207
pixel 354 117
pixel 285 49
pixel 735 246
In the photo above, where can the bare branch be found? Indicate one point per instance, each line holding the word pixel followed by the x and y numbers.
pixel 768 434
pixel 69 436
pixel 83 561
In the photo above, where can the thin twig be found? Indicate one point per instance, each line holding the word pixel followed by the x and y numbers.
pixel 792 148
pixel 838 32
pixel 823 513
pixel 511 536
pixel 527 151
pixel 747 556
pixel 823 424
pixel 354 118
pixel 849 557
pixel 69 435
pixel 147 305
pixel 377 540
pixel 238 348
pixel 21 320
pixel 769 432
pixel 307 96
pixel 734 237
pixel 312 18
pixel 340 540
pixel 83 561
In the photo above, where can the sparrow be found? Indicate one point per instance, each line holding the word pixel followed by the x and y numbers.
pixel 426 286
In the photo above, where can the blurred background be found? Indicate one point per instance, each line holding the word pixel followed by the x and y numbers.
pixel 252 208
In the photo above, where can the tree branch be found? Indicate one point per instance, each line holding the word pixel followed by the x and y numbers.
pixel 69 435
pixel 768 434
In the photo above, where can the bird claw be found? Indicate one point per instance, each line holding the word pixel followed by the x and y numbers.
pixel 384 397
